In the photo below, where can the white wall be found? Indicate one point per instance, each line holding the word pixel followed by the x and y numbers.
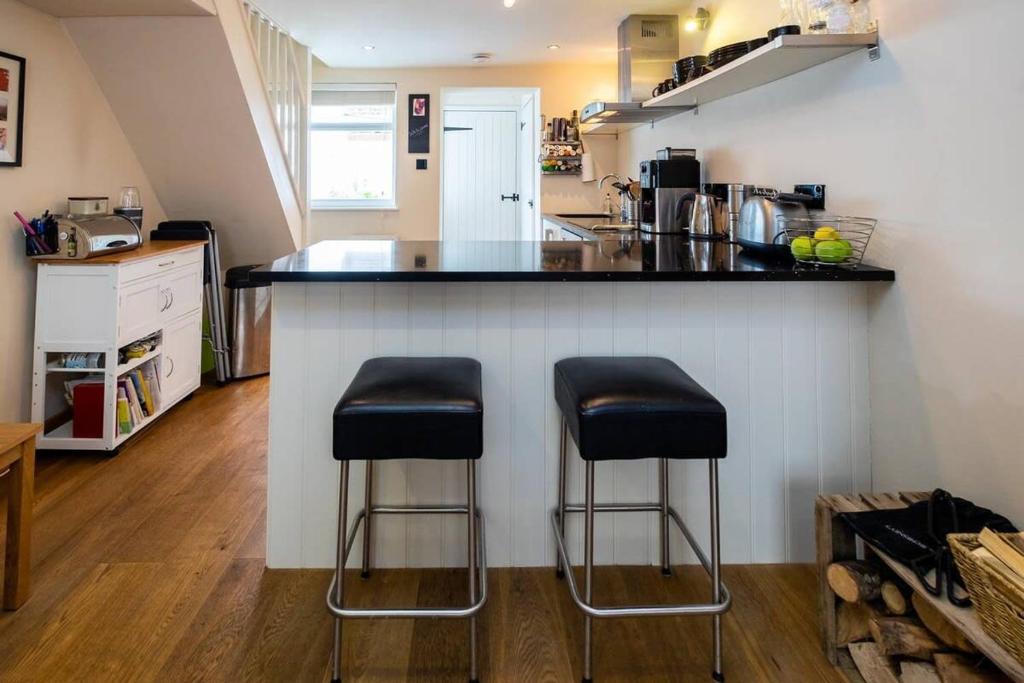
pixel 73 146
pixel 928 140
pixel 563 88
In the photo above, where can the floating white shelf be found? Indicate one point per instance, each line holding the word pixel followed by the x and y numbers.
pixel 784 56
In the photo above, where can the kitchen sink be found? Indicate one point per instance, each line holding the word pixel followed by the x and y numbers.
pixel 583 215
pixel 613 227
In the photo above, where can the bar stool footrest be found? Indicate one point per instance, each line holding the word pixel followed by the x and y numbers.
pixel 413 612
pixel 709 609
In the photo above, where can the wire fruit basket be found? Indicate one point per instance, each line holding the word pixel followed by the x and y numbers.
pixel 828 241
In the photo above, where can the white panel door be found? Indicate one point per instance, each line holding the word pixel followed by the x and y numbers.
pixel 529 121
pixel 480 167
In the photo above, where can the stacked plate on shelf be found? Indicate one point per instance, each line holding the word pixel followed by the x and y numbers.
pixel 723 55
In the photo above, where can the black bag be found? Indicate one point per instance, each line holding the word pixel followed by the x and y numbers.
pixel 915 536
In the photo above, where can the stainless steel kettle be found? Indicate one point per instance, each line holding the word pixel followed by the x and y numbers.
pixel 709 216
pixel 760 228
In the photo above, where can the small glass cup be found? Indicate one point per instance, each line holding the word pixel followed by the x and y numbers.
pixel 130 198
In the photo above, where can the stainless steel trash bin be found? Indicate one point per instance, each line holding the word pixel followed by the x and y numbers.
pixel 250 323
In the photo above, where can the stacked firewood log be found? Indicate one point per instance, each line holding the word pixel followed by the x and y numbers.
pixel 895 636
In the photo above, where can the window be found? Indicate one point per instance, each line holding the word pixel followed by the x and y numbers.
pixel 352 146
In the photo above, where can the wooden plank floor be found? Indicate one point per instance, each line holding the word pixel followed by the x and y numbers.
pixel 149 567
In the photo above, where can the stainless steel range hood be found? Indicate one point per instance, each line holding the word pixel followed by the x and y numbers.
pixel 648 48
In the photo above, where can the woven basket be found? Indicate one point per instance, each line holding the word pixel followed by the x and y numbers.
pixel 999 603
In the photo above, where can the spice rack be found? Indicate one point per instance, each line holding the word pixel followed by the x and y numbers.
pixel 561 158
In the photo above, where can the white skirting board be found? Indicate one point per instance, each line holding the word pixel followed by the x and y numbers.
pixel 788 360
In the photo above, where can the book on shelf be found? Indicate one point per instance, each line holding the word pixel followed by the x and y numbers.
pixel 124 420
pixel 135 377
pixel 150 387
pixel 134 407
pixel 141 392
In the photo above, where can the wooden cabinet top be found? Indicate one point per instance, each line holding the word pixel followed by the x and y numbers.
pixel 147 250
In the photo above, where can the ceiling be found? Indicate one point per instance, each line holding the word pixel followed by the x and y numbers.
pixel 409 33
pixel 123 8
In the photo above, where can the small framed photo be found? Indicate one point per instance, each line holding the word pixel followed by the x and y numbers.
pixel 12 108
pixel 419 106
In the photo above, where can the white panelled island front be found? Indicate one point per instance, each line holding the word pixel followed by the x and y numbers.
pixel 783 348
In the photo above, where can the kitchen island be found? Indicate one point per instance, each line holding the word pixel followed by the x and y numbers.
pixel 784 348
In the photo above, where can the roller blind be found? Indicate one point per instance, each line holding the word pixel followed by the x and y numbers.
pixel 336 97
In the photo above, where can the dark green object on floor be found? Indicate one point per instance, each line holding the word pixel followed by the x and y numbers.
pixel 208 364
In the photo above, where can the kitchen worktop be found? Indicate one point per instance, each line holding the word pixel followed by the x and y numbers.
pixel 621 257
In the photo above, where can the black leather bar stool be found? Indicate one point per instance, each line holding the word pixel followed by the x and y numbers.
pixel 632 408
pixel 398 408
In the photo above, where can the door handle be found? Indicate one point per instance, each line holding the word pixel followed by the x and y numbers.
pixel 513 197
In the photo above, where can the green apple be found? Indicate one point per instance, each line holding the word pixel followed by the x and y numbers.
pixel 803 248
pixel 833 251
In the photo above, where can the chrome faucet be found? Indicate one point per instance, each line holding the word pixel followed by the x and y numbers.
pixel 625 199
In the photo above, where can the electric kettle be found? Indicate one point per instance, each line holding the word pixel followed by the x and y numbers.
pixel 709 216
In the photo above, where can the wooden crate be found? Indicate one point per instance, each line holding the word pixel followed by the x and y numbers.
pixel 836 541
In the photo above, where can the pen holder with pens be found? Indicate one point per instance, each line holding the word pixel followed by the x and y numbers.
pixel 41 234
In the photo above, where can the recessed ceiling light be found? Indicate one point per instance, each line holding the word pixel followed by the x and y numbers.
pixel 509 3
pixel 554 46
pixel 482 57
pixel 369 48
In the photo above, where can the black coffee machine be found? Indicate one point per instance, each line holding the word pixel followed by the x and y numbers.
pixel 663 185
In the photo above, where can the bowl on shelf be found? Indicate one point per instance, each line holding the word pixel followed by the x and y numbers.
pixel 828 241
pixel 689 68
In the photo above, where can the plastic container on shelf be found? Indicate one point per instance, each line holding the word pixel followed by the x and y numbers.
pixel 832 16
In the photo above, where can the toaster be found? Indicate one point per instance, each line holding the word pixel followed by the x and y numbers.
pixel 84 237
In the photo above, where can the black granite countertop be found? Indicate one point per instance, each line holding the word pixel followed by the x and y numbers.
pixel 624 258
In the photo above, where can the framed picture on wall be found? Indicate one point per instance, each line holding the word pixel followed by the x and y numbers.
pixel 12 108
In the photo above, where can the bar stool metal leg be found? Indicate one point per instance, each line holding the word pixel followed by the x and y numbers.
pixel 562 466
pixel 666 566
pixel 588 551
pixel 716 570
pixel 339 584
pixel 471 495
pixel 368 522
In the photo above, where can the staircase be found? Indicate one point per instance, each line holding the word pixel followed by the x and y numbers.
pixel 215 106
pixel 286 76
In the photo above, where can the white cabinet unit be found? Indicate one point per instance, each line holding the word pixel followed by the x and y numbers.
pixel 99 306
